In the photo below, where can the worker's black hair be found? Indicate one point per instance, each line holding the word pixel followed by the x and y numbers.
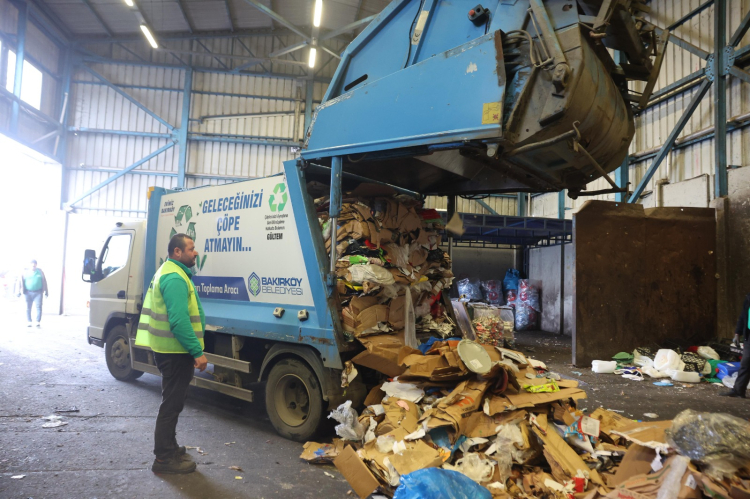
pixel 33 261
pixel 177 241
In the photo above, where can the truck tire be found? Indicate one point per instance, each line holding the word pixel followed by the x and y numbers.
pixel 294 401
pixel 117 352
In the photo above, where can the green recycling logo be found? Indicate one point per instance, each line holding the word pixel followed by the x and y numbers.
pixel 278 203
pixel 182 221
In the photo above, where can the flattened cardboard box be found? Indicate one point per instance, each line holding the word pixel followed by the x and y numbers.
pixel 356 473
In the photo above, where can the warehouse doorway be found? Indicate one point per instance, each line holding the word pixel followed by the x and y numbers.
pixel 31 224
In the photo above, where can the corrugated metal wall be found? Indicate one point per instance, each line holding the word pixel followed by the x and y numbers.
pixel 502 205
pixel 100 115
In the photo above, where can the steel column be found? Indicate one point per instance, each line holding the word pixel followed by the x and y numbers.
pixel 720 93
pixel 561 205
pixel 18 76
pixel 334 210
pixel 521 204
pixel 182 136
pixel 622 179
pixel 121 173
pixel 667 147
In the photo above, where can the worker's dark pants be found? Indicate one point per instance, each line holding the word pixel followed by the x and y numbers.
pixel 34 298
pixel 743 375
pixel 177 372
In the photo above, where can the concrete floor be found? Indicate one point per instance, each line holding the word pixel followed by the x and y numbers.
pixel 105 449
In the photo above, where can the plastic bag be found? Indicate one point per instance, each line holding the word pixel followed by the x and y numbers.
pixel 528 292
pixel 668 359
pixel 708 353
pixel 729 381
pixel 473 466
pixel 526 317
pixel 720 441
pixel 493 292
pixel 511 280
pixel 436 483
pixel 470 289
pixel 349 428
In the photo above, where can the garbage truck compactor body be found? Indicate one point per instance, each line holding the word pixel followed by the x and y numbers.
pixel 448 98
pixel 260 274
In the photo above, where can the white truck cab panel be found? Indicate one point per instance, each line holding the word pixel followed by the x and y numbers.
pixel 117 282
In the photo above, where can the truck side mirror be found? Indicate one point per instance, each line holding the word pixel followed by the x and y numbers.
pixel 89 267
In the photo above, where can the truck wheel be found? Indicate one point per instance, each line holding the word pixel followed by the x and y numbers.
pixel 117 351
pixel 294 401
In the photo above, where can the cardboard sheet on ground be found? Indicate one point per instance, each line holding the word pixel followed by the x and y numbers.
pixel 525 399
pixel 558 450
pixel 647 486
pixel 381 354
pixel 399 414
pixel 313 452
pixel 356 472
pixel 649 434
pixel 610 421
pixel 637 460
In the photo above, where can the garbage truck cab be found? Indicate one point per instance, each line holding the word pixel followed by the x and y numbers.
pixel 261 275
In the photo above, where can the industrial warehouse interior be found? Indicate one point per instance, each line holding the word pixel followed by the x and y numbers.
pixel 379 249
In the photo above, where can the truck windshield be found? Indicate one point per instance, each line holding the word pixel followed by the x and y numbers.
pixel 115 253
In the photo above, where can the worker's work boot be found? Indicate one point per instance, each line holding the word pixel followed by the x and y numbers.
pixel 174 466
pixel 731 393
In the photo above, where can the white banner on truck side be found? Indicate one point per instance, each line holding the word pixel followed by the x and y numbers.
pixel 246 238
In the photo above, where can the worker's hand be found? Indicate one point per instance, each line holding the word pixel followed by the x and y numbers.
pixel 46 295
pixel 201 363
pixel 18 295
pixel 736 339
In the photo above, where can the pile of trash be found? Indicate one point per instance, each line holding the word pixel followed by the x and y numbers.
pixel 696 364
pixel 474 421
pixel 391 273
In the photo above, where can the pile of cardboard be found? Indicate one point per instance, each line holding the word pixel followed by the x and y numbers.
pixel 391 274
pixel 514 430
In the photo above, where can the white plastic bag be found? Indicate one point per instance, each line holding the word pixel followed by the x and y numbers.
pixel 668 359
pixel 473 466
pixel 405 391
pixel 729 381
pixel 603 366
pixel 349 428
pixel 651 371
pixel 708 353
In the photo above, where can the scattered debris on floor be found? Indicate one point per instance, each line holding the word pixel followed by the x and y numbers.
pixel 236 468
pixel 55 421
pixel 693 365
pixel 18 477
pixel 197 449
pixel 442 430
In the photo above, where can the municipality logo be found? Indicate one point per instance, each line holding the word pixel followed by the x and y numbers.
pixel 277 200
pixel 253 284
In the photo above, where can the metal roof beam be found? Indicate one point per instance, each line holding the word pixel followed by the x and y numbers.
pixel 209 52
pixel 251 60
pixel 242 44
pixel 189 23
pixel 348 28
pixel 229 15
pixel 98 17
pixel 276 17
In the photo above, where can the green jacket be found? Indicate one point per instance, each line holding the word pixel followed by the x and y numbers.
pixel 175 293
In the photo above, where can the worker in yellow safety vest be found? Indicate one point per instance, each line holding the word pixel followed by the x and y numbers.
pixel 172 324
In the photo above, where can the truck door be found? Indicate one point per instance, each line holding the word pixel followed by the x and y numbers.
pixel 109 293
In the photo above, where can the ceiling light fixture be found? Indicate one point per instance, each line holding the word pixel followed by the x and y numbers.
pixel 311 60
pixel 129 3
pixel 318 13
pixel 149 36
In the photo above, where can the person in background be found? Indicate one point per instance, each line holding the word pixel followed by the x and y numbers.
pixel 32 284
pixel 742 333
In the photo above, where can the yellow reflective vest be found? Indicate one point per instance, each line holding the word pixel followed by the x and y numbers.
pixel 153 328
